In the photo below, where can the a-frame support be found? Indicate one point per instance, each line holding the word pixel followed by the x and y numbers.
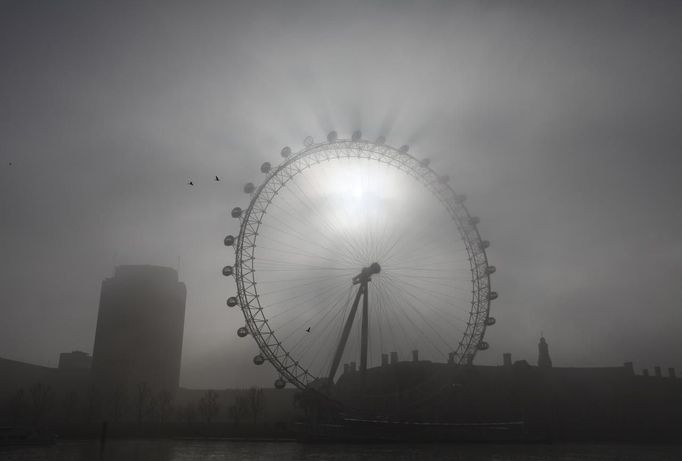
pixel 361 279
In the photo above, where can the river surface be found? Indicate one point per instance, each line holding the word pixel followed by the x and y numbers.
pixel 221 450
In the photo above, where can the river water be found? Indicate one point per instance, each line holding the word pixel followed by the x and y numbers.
pixel 221 450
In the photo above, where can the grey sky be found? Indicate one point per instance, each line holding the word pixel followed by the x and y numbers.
pixel 561 122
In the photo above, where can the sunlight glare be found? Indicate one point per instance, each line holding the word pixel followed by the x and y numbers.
pixel 358 192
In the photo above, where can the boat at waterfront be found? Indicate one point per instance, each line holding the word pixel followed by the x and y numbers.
pixel 377 430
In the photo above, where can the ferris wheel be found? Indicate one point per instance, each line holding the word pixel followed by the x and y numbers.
pixel 352 251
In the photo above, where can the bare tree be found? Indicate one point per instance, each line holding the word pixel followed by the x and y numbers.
pixel 17 406
pixel 152 410
pixel 69 404
pixel 208 405
pixel 142 401
pixel 309 402
pixel 256 403
pixel 117 402
pixel 165 405
pixel 41 398
pixel 240 409
pixel 187 413
pixel 94 402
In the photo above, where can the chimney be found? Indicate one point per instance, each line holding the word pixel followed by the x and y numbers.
pixel 346 368
pixel 657 371
pixel 671 373
pixel 384 360
pixel 629 368
pixel 415 355
pixel 451 358
pixel 353 367
pixel 507 359
pixel 394 357
pixel 645 372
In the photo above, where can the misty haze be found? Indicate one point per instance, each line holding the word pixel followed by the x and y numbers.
pixel 192 198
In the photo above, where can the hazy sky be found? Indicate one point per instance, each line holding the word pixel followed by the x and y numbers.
pixel 560 121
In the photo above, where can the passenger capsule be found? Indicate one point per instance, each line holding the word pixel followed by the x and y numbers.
pixel 236 212
pixel 381 140
pixel 242 332
pixel 425 162
pixel 483 346
pixel 404 148
pixel 265 167
pixel 357 135
pixel 474 220
pixel 280 383
pixel 485 244
pixel 232 301
pixel 308 141
pixel 227 271
pixel 443 179
pixel 332 136
pixel 491 270
pixel 229 240
pixel 461 198
pixel 249 187
pixel 490 321
pixel 285 152
pixel 493 295
pixel 259 360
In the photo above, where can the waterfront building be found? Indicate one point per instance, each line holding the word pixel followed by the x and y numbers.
pixel 74 361
pixel 140 328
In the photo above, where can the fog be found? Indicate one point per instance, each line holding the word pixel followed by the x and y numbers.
pixel 561 123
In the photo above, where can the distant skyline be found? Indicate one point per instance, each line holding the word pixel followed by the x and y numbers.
pixel 561 123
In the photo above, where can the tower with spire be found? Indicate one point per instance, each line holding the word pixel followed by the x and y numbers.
pixel 543 354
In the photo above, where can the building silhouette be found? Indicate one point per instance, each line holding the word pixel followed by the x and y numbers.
pixel 139 329
pixel 74 361
pixel 543 354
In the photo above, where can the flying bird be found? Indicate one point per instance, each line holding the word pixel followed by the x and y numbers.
pixel 217 178
pixel 307 330
pixel 190 183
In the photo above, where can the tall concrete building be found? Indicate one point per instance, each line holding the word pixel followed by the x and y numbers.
pixel 139 329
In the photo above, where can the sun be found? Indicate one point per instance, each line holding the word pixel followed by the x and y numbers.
pixel 357 192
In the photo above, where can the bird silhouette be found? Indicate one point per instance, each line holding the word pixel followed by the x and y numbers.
pixel 307 329
pixel 217 178
pixel 190 183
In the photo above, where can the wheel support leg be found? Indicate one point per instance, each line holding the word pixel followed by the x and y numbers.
pixel 365 321
pixel 346 332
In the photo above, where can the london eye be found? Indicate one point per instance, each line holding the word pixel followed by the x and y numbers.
pixel 351 252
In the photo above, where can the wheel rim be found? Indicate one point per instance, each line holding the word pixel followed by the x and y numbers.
pixel 246 268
